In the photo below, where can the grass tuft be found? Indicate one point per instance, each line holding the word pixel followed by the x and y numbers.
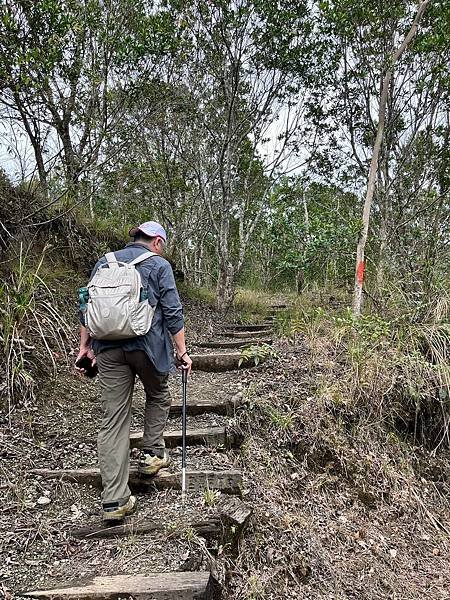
pixel 29 321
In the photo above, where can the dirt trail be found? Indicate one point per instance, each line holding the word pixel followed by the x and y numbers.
pixel 40 515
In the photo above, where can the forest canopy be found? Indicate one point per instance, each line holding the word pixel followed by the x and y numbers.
pixel 248 128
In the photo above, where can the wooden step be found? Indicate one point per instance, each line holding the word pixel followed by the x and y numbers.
pixel 260 327
pixel 231 512
pixel 200 585
pixel 200 406
pixel 254 336
pixel 210 436
pixel 234 343
pixel 234 512
pixel 209 529
pixel 229 482
pixel 220 362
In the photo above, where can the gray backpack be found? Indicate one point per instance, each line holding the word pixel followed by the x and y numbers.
pixel 114 310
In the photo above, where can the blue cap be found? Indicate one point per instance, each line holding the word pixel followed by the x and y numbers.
pixel 150 228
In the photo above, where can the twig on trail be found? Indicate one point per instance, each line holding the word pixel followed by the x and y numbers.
pixel 30 532
pixel 8 508
pixel 107 528
pixel 17 452
pixel 442 496
pixel 37 533
pixel 439 526
pixel 9 483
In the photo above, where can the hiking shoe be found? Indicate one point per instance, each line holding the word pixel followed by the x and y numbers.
pixel 113 511
pixel 151 463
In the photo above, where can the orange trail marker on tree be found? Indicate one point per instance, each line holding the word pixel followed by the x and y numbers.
pixel 360 272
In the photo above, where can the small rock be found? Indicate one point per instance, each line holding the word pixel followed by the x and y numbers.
pixel 42 500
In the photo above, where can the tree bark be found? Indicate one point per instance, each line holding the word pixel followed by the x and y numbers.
pixel 225 280
pixel 225 285
pixel 360 256
pixel 300 275
pixel 300 281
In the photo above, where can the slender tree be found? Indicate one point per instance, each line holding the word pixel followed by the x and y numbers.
pixel 386 81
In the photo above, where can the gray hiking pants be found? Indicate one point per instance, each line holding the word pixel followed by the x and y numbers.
pixel 117 371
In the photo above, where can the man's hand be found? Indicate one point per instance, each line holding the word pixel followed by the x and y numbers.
pixel 185 362
pixel 183 359
pixel 85 351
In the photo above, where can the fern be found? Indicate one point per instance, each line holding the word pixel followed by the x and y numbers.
pixel 256 353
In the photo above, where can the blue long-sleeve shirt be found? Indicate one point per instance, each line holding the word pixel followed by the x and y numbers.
pixel 157 274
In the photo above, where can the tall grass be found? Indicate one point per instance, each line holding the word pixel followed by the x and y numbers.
pixel 250 305
pixel 200 294
pixel 389 372
pixel 29 322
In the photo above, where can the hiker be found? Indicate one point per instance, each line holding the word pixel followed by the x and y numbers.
pixel 150 356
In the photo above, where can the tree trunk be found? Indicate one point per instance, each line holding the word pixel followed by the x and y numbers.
pixel 305 210
pixel 91 202
pixel 360 257
pixel 225 285
pixel 300 274
pixel 71 170
pixel 381 267
pixel 300 281
pixel 225 280
pixel 198 278
pixel 35 139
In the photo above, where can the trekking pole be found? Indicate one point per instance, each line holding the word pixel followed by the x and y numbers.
pixel 184 377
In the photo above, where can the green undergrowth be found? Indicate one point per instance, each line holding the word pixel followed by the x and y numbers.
pixel 249 305
pixel 41 266
pixel 200 294
pixel 256 353
pixel 393 370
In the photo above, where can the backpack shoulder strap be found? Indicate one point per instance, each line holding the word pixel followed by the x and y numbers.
pixel 111 260
pixel 142 257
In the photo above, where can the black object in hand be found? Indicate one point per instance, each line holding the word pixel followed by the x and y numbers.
pixel 85 363
pixel 179 362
